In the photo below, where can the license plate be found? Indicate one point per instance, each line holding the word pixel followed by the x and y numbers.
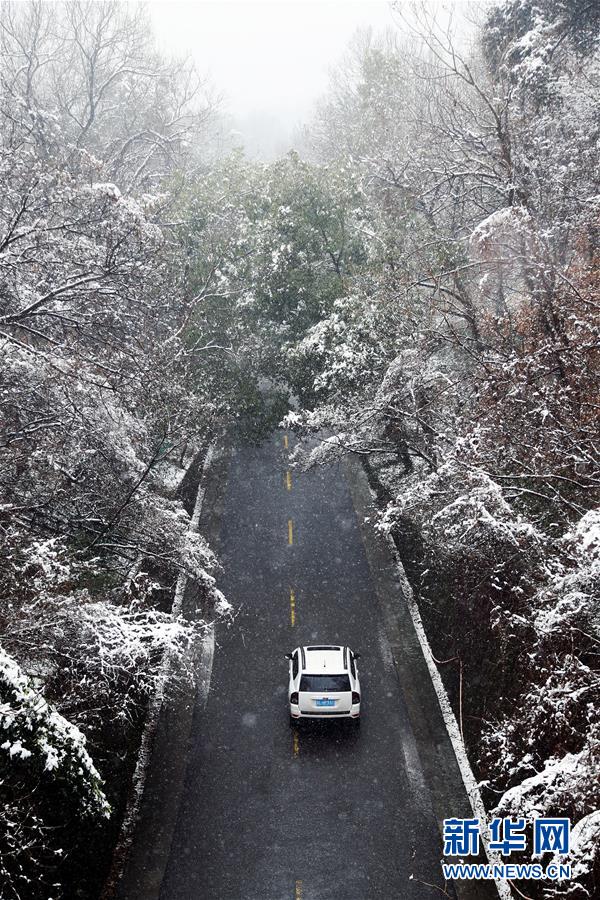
pixel 325 702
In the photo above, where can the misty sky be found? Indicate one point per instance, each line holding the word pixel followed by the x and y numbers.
pixel 269 60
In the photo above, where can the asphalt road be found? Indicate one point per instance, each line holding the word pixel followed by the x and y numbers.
pixel 320 811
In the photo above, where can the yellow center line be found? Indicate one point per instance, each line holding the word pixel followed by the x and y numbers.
pixel 290 532
pixel 296 752
pixel 298 893
pixel 285 441
pixel 292 607
pixel 288 480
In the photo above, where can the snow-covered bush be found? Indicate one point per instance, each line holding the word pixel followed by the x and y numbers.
pixel 559 700
pixel 563 786
pixel 102 647
pixel 100 661
pixel 50 785
pixel 585 844
pixel 466 523
pixel 566 786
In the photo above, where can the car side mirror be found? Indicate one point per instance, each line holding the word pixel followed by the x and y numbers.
pixel 288 656
pixel 356 655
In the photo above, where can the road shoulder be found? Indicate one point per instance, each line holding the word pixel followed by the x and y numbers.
pixel 150 847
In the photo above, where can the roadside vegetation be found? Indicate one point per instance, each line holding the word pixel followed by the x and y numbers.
pixel 417 282
pixel 102 407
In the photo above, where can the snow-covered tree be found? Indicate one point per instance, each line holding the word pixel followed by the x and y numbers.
pixel 99 397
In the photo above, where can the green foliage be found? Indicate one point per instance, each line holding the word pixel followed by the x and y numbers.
pixel 270 249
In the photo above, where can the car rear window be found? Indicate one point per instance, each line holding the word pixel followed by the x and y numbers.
pixel 324 683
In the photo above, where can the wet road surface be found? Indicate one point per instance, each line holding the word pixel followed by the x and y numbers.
pixel 320 811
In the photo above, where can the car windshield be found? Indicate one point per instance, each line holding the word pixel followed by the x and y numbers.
pixel 324 683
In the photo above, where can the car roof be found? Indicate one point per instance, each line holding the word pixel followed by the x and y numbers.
pixel 324 659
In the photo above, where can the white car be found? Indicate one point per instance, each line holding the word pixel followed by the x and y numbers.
pixel 324 683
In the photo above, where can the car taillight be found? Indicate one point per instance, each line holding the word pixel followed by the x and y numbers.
pixel 355 697
pixel 294 698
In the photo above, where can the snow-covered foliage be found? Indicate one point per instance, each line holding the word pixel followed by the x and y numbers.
pixel 34 731
pixel 585 839
pixel 564 784
pixel 567 785
pixel 98 392
pixel 462 511
pixel 43 756
pixel 100 661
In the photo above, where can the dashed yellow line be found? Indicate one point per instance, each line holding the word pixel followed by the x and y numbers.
pixel 292 607
pixel 296 753
pixel 285 441
pixel 288 480
pixel 290 532
pixel 298 891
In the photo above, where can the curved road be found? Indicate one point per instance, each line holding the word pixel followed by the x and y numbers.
pixel 319 811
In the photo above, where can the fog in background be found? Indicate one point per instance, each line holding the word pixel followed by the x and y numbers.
pixel 268 61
